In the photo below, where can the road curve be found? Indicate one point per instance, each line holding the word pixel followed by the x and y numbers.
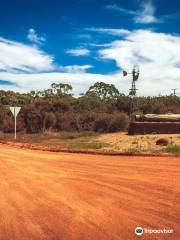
pixel 61 196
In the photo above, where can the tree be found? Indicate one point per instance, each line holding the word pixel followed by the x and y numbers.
pixel 123 104
pixel 88 103
pixel 61 89
pixel 103 91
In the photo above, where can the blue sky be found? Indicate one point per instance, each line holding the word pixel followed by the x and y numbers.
pixel 84 41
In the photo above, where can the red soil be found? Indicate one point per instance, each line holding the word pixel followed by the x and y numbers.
pixel 62 196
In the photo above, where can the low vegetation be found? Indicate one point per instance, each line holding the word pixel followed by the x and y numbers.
pixel 173 149
pixel 107 142
pixel 69 140
pixel 121 142
pixel 101 109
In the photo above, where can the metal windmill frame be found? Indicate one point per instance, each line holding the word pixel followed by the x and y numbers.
pixel 133 89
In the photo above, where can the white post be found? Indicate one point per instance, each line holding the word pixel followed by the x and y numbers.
pixel 15 111
pixel 14 125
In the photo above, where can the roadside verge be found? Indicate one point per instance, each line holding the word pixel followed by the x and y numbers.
pixel 85 151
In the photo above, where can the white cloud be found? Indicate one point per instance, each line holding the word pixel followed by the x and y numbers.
pixel 75 68
pixel 120 9
pixel 111 31
pixel 27 67
pixel 99 45
pixel 156 53
pixel 80 81
pixel 20 57
pixel 78 52
pixel 144 15
pixel 33 36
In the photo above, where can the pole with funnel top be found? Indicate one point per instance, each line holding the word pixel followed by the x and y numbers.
pixel 15 111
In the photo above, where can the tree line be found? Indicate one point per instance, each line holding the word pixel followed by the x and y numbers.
pixel 102 108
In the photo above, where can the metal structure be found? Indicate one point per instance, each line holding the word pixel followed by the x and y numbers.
pixel 135 76
pixel 15 111
pixel 175 93
pixel 133 89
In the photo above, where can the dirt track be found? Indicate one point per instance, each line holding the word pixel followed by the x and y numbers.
pixel 57 196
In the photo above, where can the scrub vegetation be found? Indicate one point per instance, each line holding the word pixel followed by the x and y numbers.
pixel 101 109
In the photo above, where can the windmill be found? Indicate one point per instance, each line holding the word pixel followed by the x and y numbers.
pixel 133 89
pixel 135 76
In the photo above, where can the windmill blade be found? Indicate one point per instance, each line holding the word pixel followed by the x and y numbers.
pixel 135 72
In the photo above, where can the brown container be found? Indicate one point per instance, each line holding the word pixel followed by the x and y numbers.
pixel 154 128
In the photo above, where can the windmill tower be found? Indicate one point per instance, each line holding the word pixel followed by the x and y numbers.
pixel 135 76
pixel 133 89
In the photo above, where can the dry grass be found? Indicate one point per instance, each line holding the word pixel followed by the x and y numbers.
pixel 139 143
pixel 70 140
pixel 118 142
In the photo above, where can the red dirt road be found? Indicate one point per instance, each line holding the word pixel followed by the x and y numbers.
pixel 61 196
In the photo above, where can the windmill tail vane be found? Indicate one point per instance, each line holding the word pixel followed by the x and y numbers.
pixel 125 73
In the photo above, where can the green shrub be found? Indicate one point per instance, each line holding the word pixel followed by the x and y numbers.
pixel 173 149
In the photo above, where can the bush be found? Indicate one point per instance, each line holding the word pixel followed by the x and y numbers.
pixel 61 106
pixel 173 149
pixel 86 121
pixel 67 122
pixel 33 121
pixel 102 123
pixel 111 122
pixel 119 122
pixel 49 121
pixel 8 125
